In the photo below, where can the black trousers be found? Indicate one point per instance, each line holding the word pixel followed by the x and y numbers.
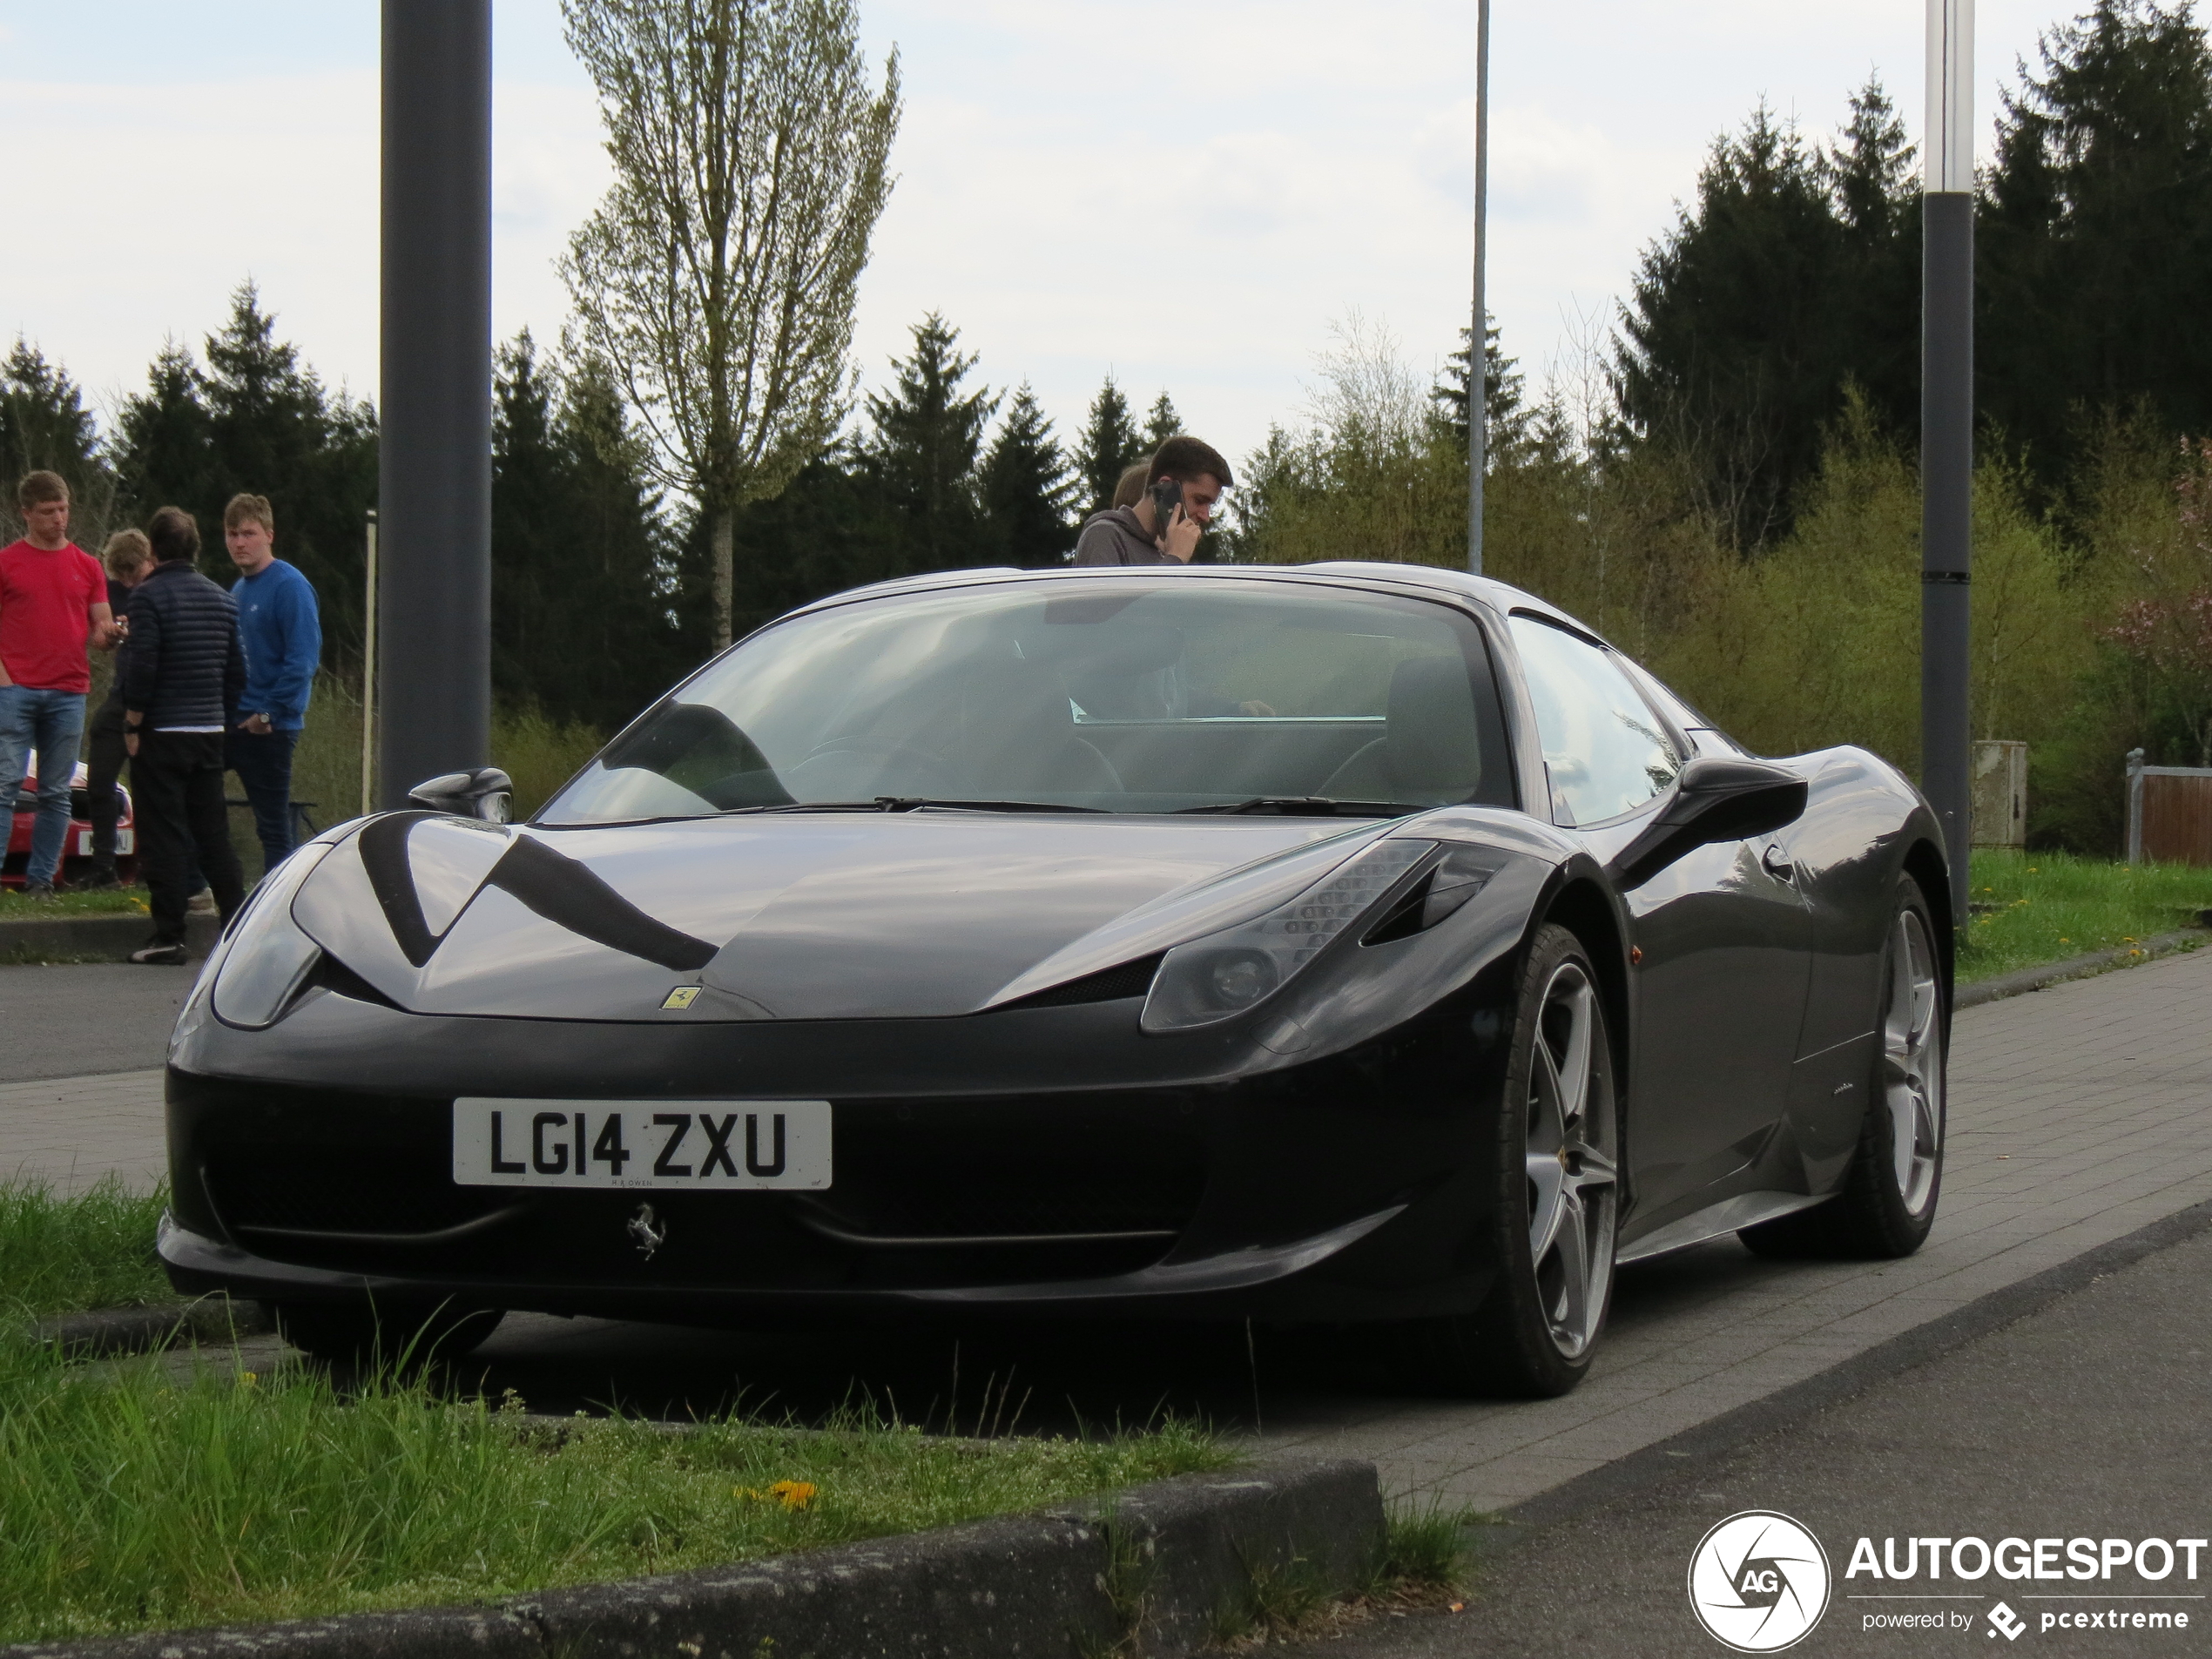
pixel 103 758
pixel 177 781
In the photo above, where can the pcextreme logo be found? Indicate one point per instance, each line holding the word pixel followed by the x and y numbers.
pixel 1759 1582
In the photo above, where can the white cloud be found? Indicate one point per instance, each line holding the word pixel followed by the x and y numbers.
pixel 1183 191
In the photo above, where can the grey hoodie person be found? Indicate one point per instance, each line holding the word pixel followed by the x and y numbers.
pixel 1118 537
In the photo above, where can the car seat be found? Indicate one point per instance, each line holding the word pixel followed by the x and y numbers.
pixel 1430 750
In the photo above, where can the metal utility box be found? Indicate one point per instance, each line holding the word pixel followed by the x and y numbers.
pixel 2169 813
pixel 1999 798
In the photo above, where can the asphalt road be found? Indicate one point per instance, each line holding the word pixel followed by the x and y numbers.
pixel 86 1018
pixel 2092 1419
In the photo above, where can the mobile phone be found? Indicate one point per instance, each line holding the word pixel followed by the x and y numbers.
pixel 1167 495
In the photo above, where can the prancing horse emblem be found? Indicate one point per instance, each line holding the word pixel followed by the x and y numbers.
pixel 646 1232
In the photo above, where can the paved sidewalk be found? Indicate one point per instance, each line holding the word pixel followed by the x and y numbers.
pixel 2078 1114
pixel 70 1131
pixel 71 1021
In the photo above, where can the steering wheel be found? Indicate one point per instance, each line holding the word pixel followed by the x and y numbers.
pixel 888 755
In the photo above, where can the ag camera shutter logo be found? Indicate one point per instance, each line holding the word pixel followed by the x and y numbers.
pixel 1758 1581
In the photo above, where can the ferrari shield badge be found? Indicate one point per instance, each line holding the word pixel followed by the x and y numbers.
pixel 682 997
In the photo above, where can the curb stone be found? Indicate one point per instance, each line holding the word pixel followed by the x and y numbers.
pixel 2034 979
pixel 1147 1571
pixel 104 1331
pixel 107 939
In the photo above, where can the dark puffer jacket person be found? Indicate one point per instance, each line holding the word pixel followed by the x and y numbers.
pixel 182 669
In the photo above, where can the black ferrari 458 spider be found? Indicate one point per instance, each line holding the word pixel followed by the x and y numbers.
pixel 1337 944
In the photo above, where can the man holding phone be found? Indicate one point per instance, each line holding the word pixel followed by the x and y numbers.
pixel 1182 486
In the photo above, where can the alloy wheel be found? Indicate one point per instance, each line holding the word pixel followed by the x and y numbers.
pixel 1573 1153
pixel 1913 1062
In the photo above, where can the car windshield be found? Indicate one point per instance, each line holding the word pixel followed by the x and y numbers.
pixel 1186 695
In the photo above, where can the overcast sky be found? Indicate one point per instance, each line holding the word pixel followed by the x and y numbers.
pixel 1186 194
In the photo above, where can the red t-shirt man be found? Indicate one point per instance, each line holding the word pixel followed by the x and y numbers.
pixel 46 600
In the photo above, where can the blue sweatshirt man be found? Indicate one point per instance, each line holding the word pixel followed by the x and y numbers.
pixel 281 629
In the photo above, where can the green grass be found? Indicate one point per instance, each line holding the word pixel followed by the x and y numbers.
pixel 1426 1548
pixel 112 901
pixel 92 1250
pixel 2046 906
pixel 132 1501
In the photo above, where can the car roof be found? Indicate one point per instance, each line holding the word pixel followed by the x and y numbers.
pixel 1371 574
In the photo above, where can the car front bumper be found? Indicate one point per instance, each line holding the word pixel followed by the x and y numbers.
pixel 1200 1176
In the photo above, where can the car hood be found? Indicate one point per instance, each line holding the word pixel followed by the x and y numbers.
pixel 807 916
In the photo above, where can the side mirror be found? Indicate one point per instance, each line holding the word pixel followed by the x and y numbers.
pixel 1716 799
pixel 486 793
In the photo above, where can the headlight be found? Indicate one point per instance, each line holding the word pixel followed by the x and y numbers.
pixel 1221 975
pixel 268 955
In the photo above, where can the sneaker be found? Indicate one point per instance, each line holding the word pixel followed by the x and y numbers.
pixel 98 879
pixel 38 890
pixel 158 955
pixel 200 904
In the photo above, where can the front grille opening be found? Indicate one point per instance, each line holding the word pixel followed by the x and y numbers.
pixel 1024 1170
pixel 393 1192
pixel 1108 985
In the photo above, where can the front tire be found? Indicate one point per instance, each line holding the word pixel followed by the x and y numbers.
pixel 1888 1201
pixel 1554 1140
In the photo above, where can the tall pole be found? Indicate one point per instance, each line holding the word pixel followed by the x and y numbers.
pixel 1947 431
pixel 1478 342
pixel 434 491
pixel 369 675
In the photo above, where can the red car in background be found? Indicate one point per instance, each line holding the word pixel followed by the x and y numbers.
pixel 76 851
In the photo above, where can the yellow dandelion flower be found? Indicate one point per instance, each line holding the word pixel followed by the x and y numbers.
pixel 792 1495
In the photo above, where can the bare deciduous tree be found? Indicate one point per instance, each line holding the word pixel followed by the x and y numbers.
pixel 717 276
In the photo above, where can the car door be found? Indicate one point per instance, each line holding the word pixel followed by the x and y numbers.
pixel 1722 936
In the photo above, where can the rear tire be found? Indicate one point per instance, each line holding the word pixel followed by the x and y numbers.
pixel 367 1335
pixel 1888 1201
pixel 1554 1141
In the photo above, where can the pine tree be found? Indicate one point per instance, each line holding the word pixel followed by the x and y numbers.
pixel 257 418
pixel 1110 445
pixel 1162 423
pixel 1505 409
pixel 1026 487
pixel 44 424
pixel 582 560
pixel 164 440
pixel 1730 355
pixel 2096 234
pixel 1876 321
pixel 921 453
pixel 532 543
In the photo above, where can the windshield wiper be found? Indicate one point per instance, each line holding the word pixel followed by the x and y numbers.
pixel 908 803
pixel 1306 807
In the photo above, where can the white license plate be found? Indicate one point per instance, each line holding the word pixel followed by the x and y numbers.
pixel 126 840
pixel 84 843
pixel 696 1145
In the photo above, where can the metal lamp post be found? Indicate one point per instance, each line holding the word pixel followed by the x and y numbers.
pixel 433 492
pixel 1947 430
pixel 1478 345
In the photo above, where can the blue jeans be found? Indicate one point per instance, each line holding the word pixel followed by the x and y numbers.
pixel 263 764
pixel 52 725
